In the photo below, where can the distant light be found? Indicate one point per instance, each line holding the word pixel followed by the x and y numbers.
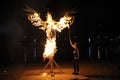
pixel 34 40
pixel 98 36
pixel 5 71
pixel 118 36
pixel 89 39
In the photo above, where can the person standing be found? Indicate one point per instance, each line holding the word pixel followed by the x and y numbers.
pixel 75 53
pixel 75 59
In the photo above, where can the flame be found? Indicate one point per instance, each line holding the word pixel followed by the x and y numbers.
pixel 50 27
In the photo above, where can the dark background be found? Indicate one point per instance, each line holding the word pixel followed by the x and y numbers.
pixel 94 20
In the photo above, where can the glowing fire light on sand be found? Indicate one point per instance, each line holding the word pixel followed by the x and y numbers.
pixel 50 26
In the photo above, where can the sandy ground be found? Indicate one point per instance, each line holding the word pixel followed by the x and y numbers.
pixel 88 70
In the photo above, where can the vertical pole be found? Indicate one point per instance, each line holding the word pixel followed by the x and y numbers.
pixel 89 52
pixel 106 52
pixel 25 57
pixel 89 48
pixel 35 54
pixel 98 53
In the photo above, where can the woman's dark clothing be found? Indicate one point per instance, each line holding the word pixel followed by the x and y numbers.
pixel 76 62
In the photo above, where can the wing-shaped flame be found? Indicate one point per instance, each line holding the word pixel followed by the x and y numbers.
pixel 50 26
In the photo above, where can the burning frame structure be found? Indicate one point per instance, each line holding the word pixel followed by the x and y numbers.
pixel 50 26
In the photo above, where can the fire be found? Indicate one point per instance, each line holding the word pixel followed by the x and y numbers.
pixel 50 26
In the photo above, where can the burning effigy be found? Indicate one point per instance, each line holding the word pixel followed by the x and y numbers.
pixel 50 26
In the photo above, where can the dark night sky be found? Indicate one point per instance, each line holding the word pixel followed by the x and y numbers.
pixel 93 18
